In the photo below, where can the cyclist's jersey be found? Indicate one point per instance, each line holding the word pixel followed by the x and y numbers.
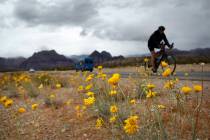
pixel 155 39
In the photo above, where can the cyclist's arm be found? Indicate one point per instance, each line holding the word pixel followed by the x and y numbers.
pixel 166 40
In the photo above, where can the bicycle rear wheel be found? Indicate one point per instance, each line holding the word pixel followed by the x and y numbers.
pixel 171 60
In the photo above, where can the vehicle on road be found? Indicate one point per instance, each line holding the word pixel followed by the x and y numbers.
pixel 85 65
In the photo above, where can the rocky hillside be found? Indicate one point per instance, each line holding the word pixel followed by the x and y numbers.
pixel 10 64
pixel 46 60
pixel 100 58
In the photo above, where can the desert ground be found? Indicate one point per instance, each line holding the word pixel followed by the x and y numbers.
pixel 103 105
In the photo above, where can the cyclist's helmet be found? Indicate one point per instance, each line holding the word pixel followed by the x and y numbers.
pixel 161 28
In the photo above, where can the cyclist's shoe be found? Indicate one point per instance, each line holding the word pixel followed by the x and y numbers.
pixel 154 70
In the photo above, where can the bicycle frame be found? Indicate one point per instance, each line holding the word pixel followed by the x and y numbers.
pixel 162 54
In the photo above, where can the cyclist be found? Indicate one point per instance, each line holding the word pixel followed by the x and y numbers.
pixel 155 42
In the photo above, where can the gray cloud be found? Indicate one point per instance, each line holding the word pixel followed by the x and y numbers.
pixel 71 12
pixel 2 1
pixel 122 20
pixel 187 22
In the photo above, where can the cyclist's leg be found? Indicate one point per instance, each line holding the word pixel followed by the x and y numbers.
pixel 153 56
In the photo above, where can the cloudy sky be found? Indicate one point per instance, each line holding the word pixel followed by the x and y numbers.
pixel 82 26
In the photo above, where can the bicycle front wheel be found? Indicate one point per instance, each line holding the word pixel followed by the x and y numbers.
pixel 171 60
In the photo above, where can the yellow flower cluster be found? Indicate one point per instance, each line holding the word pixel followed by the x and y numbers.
pixel 186 90
pixel 151 94
pixel 80 88
pixel 169 84
pixel 89 101
pixel 197 88
pixel 133 101
pixel 34 106
pixel 21 110
pixel 90 93
pixel 164 64
pixel 58 85
pixel 161 107
pixel 100 67
pixel 131 126
pixel 167 72
pixel 112 92
pixel 112 119
pixel 89 77
pixel 150 86
pixel 99 123
pixel 146 60
pixel 6 101
pixel 113 109
pixel 114 79
pixel 88 87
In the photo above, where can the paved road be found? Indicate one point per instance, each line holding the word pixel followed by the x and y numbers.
pixel 195 76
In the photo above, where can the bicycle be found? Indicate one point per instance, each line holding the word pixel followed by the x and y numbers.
pixel 163 55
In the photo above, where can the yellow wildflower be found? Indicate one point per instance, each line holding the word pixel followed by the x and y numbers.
pixel 99 123
pixel 133 101
pixel 150 86
pixel 131 126
pixel 100 67
pixel 80 88
pixel 40 86
pixel 89 101
pixel 186 89
pixel 161 107
pixel 151 94
pixel 114 79
pixel 197 88
pixel 34 106
pixel 84 107
pixel 167 72
pixel 103 76
pixel 3 99
pixel 90 94
pixel 58 85
pixel 112 119
pixel 21 110
pixel 169 85
pixel 164 64
pixel 88 87
pixel 8 103
pixel 113 109
pixel 77 108
pixel 69 102
pixel 113 92
pixel 89 78
pixel 52 96
pixel 146 60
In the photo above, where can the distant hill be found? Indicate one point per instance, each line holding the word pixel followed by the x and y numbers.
pixel 10 64
pixel 46 60
pixel 100 58
pixel 192 56
pixel 50 60
pixel 182 57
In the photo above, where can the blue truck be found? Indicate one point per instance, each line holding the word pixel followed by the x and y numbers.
pixel 85 65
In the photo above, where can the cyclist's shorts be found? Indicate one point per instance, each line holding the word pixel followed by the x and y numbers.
pixel 152 48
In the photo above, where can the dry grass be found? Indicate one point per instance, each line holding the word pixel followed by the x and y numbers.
pixel 60 120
